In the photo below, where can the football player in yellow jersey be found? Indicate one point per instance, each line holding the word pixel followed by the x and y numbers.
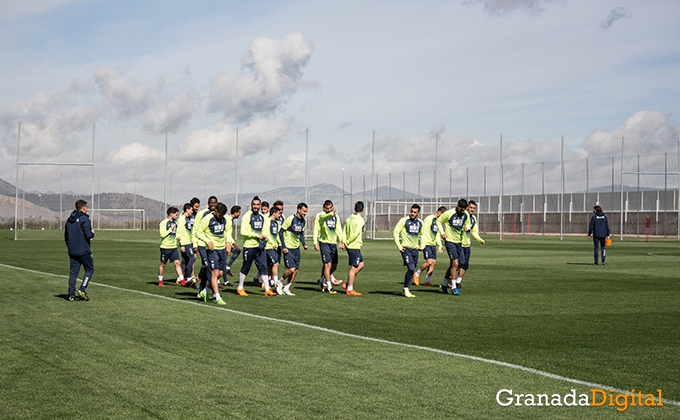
pixel 264 210
pixel 432 242
pixel 408 239
pixel 168 231
pixel 327 234
pixel 472 232
pixel 353 238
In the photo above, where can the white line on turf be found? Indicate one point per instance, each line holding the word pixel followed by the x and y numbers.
pixel 361 337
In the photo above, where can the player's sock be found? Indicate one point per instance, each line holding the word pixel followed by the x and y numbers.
pixel 286 288
pixel 160 278
pixel 265 281
pixel 217 296
pixel 429 277
pixel 329 285
pixel 257 276
pixel 418 272
pixel 350 288
pixel 241 280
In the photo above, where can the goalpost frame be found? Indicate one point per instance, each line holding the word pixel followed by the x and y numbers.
pixel 19 164
pixel 134 217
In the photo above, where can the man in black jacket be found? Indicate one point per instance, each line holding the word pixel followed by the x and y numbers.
pixel 77 234
pixel 599 228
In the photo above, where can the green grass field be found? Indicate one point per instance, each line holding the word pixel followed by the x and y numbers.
pixel 139 351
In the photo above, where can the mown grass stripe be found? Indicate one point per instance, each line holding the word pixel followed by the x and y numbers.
pixel 361 337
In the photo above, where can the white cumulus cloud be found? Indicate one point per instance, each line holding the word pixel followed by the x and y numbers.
pixel 273 71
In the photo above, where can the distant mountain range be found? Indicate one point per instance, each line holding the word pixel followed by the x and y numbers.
pixel 46 205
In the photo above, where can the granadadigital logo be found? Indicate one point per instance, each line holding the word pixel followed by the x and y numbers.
pixel 596 398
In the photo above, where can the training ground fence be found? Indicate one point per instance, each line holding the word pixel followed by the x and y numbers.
pixel 131 175
pixel 644 213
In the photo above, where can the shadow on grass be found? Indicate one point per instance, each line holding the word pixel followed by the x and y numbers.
pixel 65 297
pixel 380 292
pixel 580 263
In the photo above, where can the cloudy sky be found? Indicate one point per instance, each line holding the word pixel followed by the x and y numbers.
pixel 533 70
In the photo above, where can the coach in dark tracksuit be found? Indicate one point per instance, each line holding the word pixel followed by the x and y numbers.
pixel 77 234
pixel 599 228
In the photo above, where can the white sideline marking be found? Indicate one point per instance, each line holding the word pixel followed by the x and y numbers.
pixel 361 337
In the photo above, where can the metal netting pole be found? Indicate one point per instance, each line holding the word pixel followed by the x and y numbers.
pixel 16 183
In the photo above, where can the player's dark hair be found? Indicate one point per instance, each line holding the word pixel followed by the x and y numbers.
pixel 302 206
pixel 327 203
pixel 80 204
pixel 416 206
pixel 221 208
pixel 256 198
pixel 195 200
pixel 212 197
pixel 278 203
pixel 359 206
pixel 472 202
pixel 441 209
pixel 186 207
pixel 274 209
pixel 234 209
pixel 462 205
pixel 172 210
pixel 265 204
pixel 597 209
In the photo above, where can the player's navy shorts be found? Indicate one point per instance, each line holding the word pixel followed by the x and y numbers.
pixel 256 255
pixel 272 257
pixel 455 251
pixel 292 258
pixel 188 250
pixel 430 252
pixel 464 262
pixel 410 257
pixel 355 257
pixel 329 253
pixel 169 255
pixel 217 259
pixel 204 257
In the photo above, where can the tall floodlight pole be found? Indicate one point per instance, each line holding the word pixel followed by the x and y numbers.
pixel 500 198
pixel 61 199
pixel 372 163
pixel 436 166
pixel 562 188
pixel 638 196
pixel 165 179
pixel 545 199
pixel 587 183
pixel 236 169
pixel 372 212
pixel 521 202
pixel 467 182
pixel 306 165
pixel 343 193
pixel 678 188
pixel 16 194
pixel 134 200
pixel 92 192
pixel 621 208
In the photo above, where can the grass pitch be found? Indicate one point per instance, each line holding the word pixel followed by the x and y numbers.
pixel 140 351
